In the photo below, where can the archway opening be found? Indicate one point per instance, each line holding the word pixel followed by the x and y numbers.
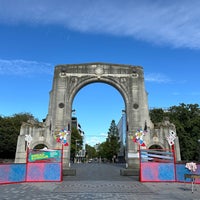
pixel 155 146
pixel 96 105
pixel 40 146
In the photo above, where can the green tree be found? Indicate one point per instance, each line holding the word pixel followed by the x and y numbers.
pixel 9 131
pixel 103 150
pixel 110 147
pixel 91 151
pixel 76 142
pixel 113 140
pixel 156 115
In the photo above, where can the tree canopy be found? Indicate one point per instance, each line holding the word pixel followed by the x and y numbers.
pixel 110 148
pixel 91 151
pixel 9 131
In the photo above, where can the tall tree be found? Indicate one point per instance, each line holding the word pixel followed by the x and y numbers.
pixel 113 140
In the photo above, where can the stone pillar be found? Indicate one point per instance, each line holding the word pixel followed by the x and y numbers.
pixel 20 155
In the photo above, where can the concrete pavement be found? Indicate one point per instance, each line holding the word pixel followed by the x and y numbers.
pixel 99 181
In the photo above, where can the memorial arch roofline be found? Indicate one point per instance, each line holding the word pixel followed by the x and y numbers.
pixel 98 70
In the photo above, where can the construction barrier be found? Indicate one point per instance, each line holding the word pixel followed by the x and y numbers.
pixel 41 166
pixel 157 165
pixel 12 173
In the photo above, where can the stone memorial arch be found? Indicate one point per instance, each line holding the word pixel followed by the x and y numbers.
pixel 68 80
pixel 128 80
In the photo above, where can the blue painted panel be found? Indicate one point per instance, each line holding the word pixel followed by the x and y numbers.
pixel 166 172
pixel 181 170
pixel 52 172
pixel 17 173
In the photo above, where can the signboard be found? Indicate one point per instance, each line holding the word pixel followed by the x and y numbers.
pixel 44 156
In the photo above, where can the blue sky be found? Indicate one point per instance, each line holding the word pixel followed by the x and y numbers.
pixel 161 36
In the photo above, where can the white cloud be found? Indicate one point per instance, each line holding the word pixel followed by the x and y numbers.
pixel 93 140
pixel 104 135
pixel 24 67
pixel 156 77
pixel 174 23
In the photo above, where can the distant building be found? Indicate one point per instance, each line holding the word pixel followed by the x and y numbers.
pixel 122 135
pixel 76 125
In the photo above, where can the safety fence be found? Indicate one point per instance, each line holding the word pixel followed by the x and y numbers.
pixel 158 165
pixel 46 165
pixel 41 166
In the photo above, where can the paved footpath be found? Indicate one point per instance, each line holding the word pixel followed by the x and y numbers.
pixel 98 181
